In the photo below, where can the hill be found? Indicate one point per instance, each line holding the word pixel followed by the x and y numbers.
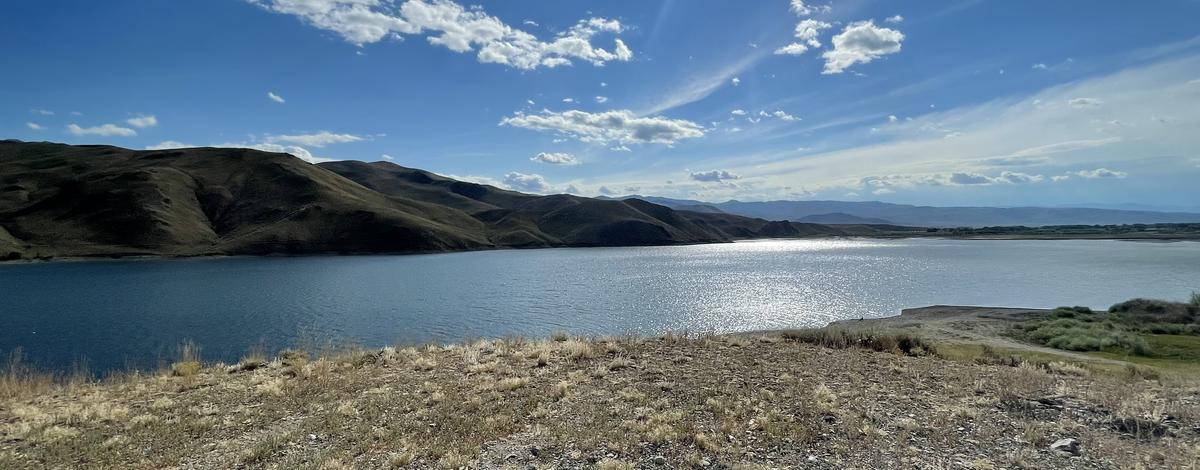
pixel 841 218
pixel 929 216
pixel 60 200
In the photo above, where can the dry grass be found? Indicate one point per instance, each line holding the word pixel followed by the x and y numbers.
pixel 670 402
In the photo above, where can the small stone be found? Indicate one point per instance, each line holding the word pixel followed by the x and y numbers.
pixel 534 451
pixel 1067 445
pixel 705 463
pixel 312 437
pixel 659 460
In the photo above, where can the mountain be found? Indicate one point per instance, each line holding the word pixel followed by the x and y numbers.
pixel 61 200
pixel 928 216
pixel 841 218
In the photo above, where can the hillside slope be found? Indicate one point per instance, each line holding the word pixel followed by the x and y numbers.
pixel 61 200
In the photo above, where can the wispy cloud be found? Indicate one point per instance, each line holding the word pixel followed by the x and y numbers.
pixel 104 130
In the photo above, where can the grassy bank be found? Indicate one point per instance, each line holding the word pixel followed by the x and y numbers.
pixel 796 399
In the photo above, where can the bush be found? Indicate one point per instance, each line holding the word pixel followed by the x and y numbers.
pixel 1195 299
pixel 900 343
pixel 1087 334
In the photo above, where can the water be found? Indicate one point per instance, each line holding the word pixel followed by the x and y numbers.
pixel 120 314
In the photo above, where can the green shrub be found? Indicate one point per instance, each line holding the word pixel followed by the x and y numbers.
pixel 1195 299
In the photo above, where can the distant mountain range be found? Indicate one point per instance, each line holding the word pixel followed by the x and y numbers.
pixel 873 212
pixel 60 200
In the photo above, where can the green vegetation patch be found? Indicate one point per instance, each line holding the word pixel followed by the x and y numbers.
pixel 1138 327
pixel 899 343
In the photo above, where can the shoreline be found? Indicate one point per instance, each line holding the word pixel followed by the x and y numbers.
pixel 898 236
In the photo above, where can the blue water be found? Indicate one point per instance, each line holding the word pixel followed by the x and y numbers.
pixel 121 314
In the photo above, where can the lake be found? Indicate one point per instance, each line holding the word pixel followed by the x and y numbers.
pixel 120 314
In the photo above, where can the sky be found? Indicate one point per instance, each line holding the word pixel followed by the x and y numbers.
pixel 955 102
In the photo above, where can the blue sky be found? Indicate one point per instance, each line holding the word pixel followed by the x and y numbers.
pixel 964 102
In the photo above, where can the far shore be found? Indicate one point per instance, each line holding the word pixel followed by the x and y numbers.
pixel 1149 238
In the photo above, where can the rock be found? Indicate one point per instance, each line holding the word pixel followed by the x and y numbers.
pixel 534 451
pixel 1067 445
pixel 659 460
pixel 704 463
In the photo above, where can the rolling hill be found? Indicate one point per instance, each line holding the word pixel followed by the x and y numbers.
pixel 60 200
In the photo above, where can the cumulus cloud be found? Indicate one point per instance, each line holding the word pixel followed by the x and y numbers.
pixel 1100 173
pixel 735 81
pixel 807 35
pixel 1084 102
pixel 1039 66
pixel 555 158
pixel 106 130
pixel 532 183
pixel 143 121
pixel 738 112
pixel 617 126
pixel 319 139
pixel 894 19
pixel 35 126
pixel 446 23
pixel 387 157
pixel 713 176
pixel 969 178
pixel 601 99
pixel 860 43
pixel 802 9
pixel 889 183
pixel 780 114
pixel 276 98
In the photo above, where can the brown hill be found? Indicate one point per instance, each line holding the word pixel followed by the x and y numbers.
pixel 61 200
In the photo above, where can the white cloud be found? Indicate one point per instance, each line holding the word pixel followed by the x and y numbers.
pixel 606 191
pixel 860 43
pixel 738 112
pixel 894 19
pixel 533 183
pixel 603 84
pixel 43 112
pixel 276 98
pixel 555 158
pixel 735 81
pixel 143 121
pixel 801 9
pixel 319 139
pixel 387 157
pixel 617 126
pixel 448 24
pixel 713 176
pixel 1039 66
pixel 106 130
pixel 784 116
pixel 892 118
pixel 568 100
pixel 1100 173
pixel 1057 178
pixel 169 144
pixel 807 34
pixel 35 126
pixel 1084 102
pixel 601 99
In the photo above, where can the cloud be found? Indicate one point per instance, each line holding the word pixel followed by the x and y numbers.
pixel 43 112
pixel 713 176
pixel 1100 173
pixel 555 158
pixel 169 144
pixel 106 130
pixel 606 191
pixel 35 126
pixel 276 98
pixel 860 43
pixel 532 183
pixel 1084 102
pixel 807 33
pixel 143 121
pixel 784 116
pixel 894 19
pixel 601 99
pixel 738 112
pixel 735 81
pixel 1039 66
pixel 387 157
pixel 617 126
pixel 801 9
pixel 969 179
pixel 319 139
pixel 447 24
